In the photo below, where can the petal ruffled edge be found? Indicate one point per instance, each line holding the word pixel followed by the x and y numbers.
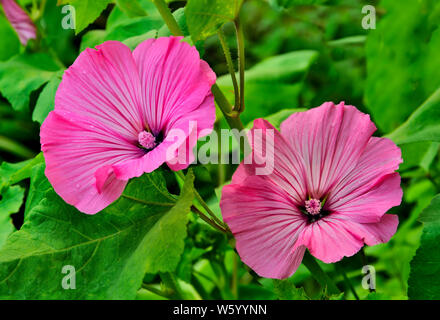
pixel 74 149
pixel 265 225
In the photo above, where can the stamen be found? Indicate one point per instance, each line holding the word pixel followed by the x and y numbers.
pixel 147 140
pixel 313 206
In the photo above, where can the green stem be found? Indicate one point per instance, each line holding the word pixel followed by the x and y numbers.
pixel 363 257
pixel 15 148
pixel 347 281
pixel 154 290
pixel 170 282
pixel 432 180
pixel 234 284
pixel 232 118
pixel 231 69
pixel 56 58
pixel 168 17
pixel 323 279
pixel 203 203
pixel 241 60
pixel 207 220
pixel 221 166
pixel 42 8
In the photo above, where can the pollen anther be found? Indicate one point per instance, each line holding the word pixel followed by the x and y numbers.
pixel 313 206
pixel 147 140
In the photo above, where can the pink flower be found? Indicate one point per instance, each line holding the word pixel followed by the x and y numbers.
pixel 19 20
pixel 329 189
pixel 117 114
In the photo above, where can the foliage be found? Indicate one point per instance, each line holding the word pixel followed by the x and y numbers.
pixel 400 62
pixel 423 283
pixel 152 243
pixel 142 232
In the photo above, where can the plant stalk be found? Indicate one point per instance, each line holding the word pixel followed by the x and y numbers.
pixel 170 282
pixel 168 17
pixel 241 60
pixel 231 69
pixel 323 279
pixel 203 203
pixel 207 220
pixel 15 148
pixel 232 118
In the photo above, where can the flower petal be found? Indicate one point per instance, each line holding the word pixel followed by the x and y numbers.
pixel 104 85
pixel 175 82
pixel 265 224
pixel 370 206
pixel 19 20
pixel 273 160
pixel 149 162
pixel 364 193
pixel 176 94
pixel 194 126
pixel 330 139
pixel 381 231
pixel 330 240
pixel 75 149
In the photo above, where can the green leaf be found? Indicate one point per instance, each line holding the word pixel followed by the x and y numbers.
pixel 290 3
pixel 422 125
pixel 418 154
pixel 286 290
pixel 15 148
pixel 118 17
pixel 141 232
pixel 92 38
pixel 166 238
pixel 87 11
pixel 23 74
pixel 285 68
pixel 10 202
pixel 59 39
pixel 12 173
pixel 122 28
pixel 135 27
pixel 133 42
pixel 288 67
pixel 46 100
pixel 38 188
pixel 282 74
pixel 338 296
pixel 10 41
pixel 131 8
pixel 353 40
pixel 403 69
pixel 277 118
pixel 16 126
pixel 377 296
pixel 205 17
pixel 180 17
pixel 423 282
pixel 254 292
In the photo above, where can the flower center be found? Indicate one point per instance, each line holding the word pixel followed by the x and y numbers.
pixel 313 206
pixel 147 140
